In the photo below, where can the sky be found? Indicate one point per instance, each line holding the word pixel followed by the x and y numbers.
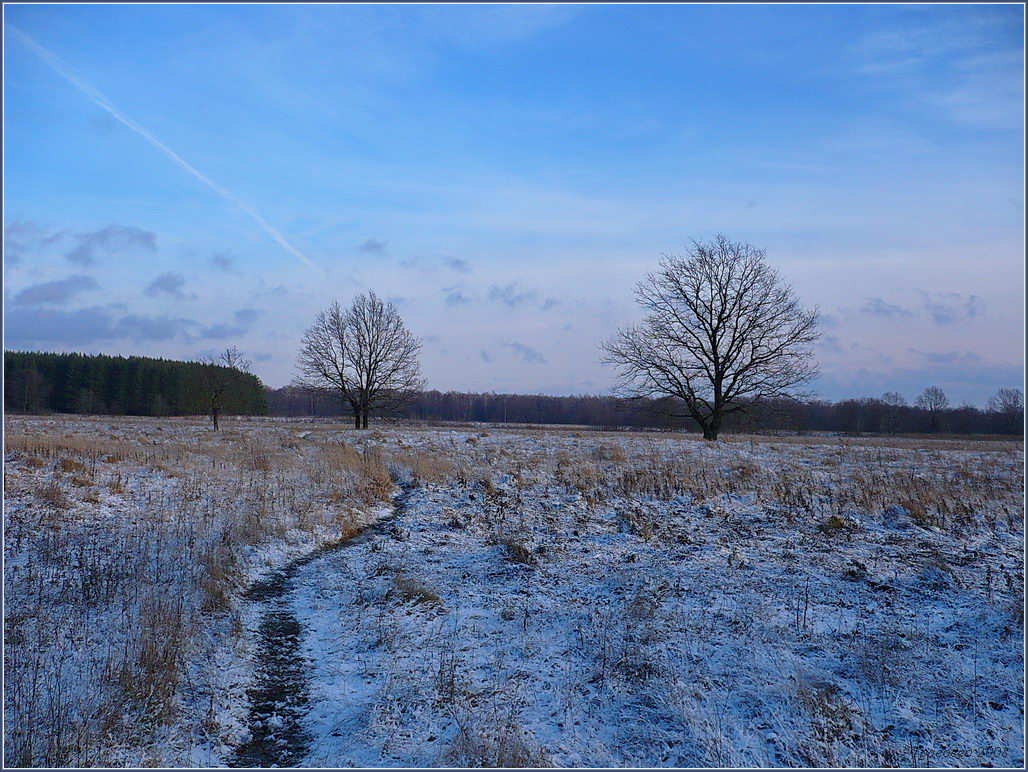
pixel 183 178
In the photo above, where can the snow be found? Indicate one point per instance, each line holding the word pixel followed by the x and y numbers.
pixel 743 641
pixel 568 598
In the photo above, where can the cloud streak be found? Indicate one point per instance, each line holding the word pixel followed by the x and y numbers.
pixel 169 283
pixel 949 307
pixel 455 296
pixel 373 245
pixel 111 238
pixel 527 354
pixel 28 326
pixel 879 307
pixel 59 66
pixel 59 291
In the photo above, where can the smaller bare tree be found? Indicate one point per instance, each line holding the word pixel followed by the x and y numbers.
pixel 222 373
pixel 893 403
pixel 934 401
pixel 364 354
pixel 1008 404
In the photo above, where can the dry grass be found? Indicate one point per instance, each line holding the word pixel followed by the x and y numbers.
pixel 219 578
pixel 832 719
pixel 496 743
pixel 931 488
pixel 516 552
pixel 86 451
pixel 378 483
pixel 71 465
pixel 610 452
pixel 53 495
pixel 364 474
pixel 837 525
pixel 124 613
pixel 407 589
pixel 427 467
pixel 640 522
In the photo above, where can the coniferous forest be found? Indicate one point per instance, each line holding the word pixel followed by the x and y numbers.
pixel 37 382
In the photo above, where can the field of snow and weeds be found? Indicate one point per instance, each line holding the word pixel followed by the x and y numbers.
pixel 535 598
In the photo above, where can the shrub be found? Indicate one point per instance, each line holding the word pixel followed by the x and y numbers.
pixel 837 525
pixel 52 494
pixel 407 589
pixel 611 452
pixel 497 743
pixel 516 552
pixel 71 465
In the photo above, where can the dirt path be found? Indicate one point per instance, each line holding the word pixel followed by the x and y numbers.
pixel 278 699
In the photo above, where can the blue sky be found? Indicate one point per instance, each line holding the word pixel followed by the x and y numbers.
pixel 505 174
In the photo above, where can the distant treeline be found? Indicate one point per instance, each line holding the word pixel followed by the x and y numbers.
pixel 848 416
pixel 78 383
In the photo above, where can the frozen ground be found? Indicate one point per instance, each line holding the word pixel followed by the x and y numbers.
pixel 537 597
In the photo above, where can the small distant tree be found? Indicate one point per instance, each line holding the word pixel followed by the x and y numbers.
pixel 364 354
pixel 934 401
pixel 1008 406
pixel 222 375
pixel 893 403
pixel 722 333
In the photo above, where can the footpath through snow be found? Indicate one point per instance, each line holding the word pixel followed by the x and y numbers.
pixel 276 734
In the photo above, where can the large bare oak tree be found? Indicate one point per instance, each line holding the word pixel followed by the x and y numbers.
pixel 722 332
pixel 364 354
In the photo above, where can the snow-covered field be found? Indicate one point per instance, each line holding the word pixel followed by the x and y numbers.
pixel 523 598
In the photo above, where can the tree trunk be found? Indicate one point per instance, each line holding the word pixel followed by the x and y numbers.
pixel 364 419
pixel 712 429
pixel 214 417
pixel 356 418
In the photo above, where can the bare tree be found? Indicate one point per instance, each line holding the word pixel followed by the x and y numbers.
pixel 1008 404
pixel 221 374
pixel 894 403
pixel 934 401
pixel 364 354
pixel 722 332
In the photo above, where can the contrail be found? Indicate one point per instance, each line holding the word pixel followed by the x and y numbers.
pixel 65 71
